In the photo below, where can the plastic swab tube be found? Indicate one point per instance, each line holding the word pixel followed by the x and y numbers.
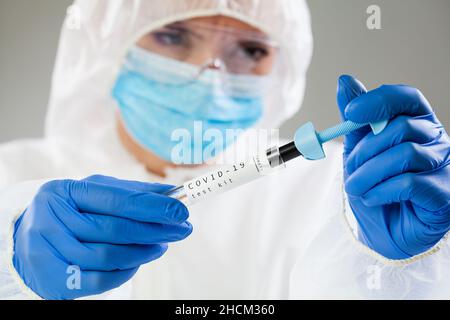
pixel 307 143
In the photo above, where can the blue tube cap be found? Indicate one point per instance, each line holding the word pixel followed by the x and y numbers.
pixel 307 142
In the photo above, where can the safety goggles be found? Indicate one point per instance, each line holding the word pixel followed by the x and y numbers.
pixel 208 46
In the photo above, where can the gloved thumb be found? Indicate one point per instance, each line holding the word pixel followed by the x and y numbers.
pixel 348 88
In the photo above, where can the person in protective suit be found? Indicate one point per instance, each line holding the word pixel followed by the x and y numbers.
pixel 83 210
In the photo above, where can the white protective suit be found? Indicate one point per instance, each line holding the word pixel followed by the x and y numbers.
pixel 286 236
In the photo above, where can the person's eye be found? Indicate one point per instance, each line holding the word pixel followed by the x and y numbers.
pixel 255 52
pixel 169 38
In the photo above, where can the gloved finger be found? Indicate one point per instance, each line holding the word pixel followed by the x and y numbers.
pixel 401 129
pixel 97 282
pixel 106 229
pixel 109 257
pixel 65 220
pixel 97 228
pixel 116 201
pixel 405 157
pixel 66 241
pixel 386 102
pixel 349 88
pixel 427 191
pixel 128 184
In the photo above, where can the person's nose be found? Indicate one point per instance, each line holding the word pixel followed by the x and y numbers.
pixel 208 55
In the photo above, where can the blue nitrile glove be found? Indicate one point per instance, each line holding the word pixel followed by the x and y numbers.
pixel 103 227
pixel 398 182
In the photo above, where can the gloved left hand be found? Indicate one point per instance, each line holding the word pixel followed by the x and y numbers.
pixel 398 182
pixel 82 238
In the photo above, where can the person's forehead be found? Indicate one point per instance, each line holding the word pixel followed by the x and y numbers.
pixel 223 21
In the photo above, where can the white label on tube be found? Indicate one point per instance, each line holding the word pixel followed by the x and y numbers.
pixel 225 178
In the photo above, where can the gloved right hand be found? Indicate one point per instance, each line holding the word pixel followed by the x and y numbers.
pixel 80 238
pixel 397 182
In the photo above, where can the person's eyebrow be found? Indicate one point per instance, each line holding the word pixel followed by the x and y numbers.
pixel 184 28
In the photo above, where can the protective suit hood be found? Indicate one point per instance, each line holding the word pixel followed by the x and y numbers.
pixel 91 50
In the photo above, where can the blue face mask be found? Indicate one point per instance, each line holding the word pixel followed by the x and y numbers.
pixel 178 116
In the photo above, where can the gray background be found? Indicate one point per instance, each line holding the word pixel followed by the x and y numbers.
pixel 413 47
